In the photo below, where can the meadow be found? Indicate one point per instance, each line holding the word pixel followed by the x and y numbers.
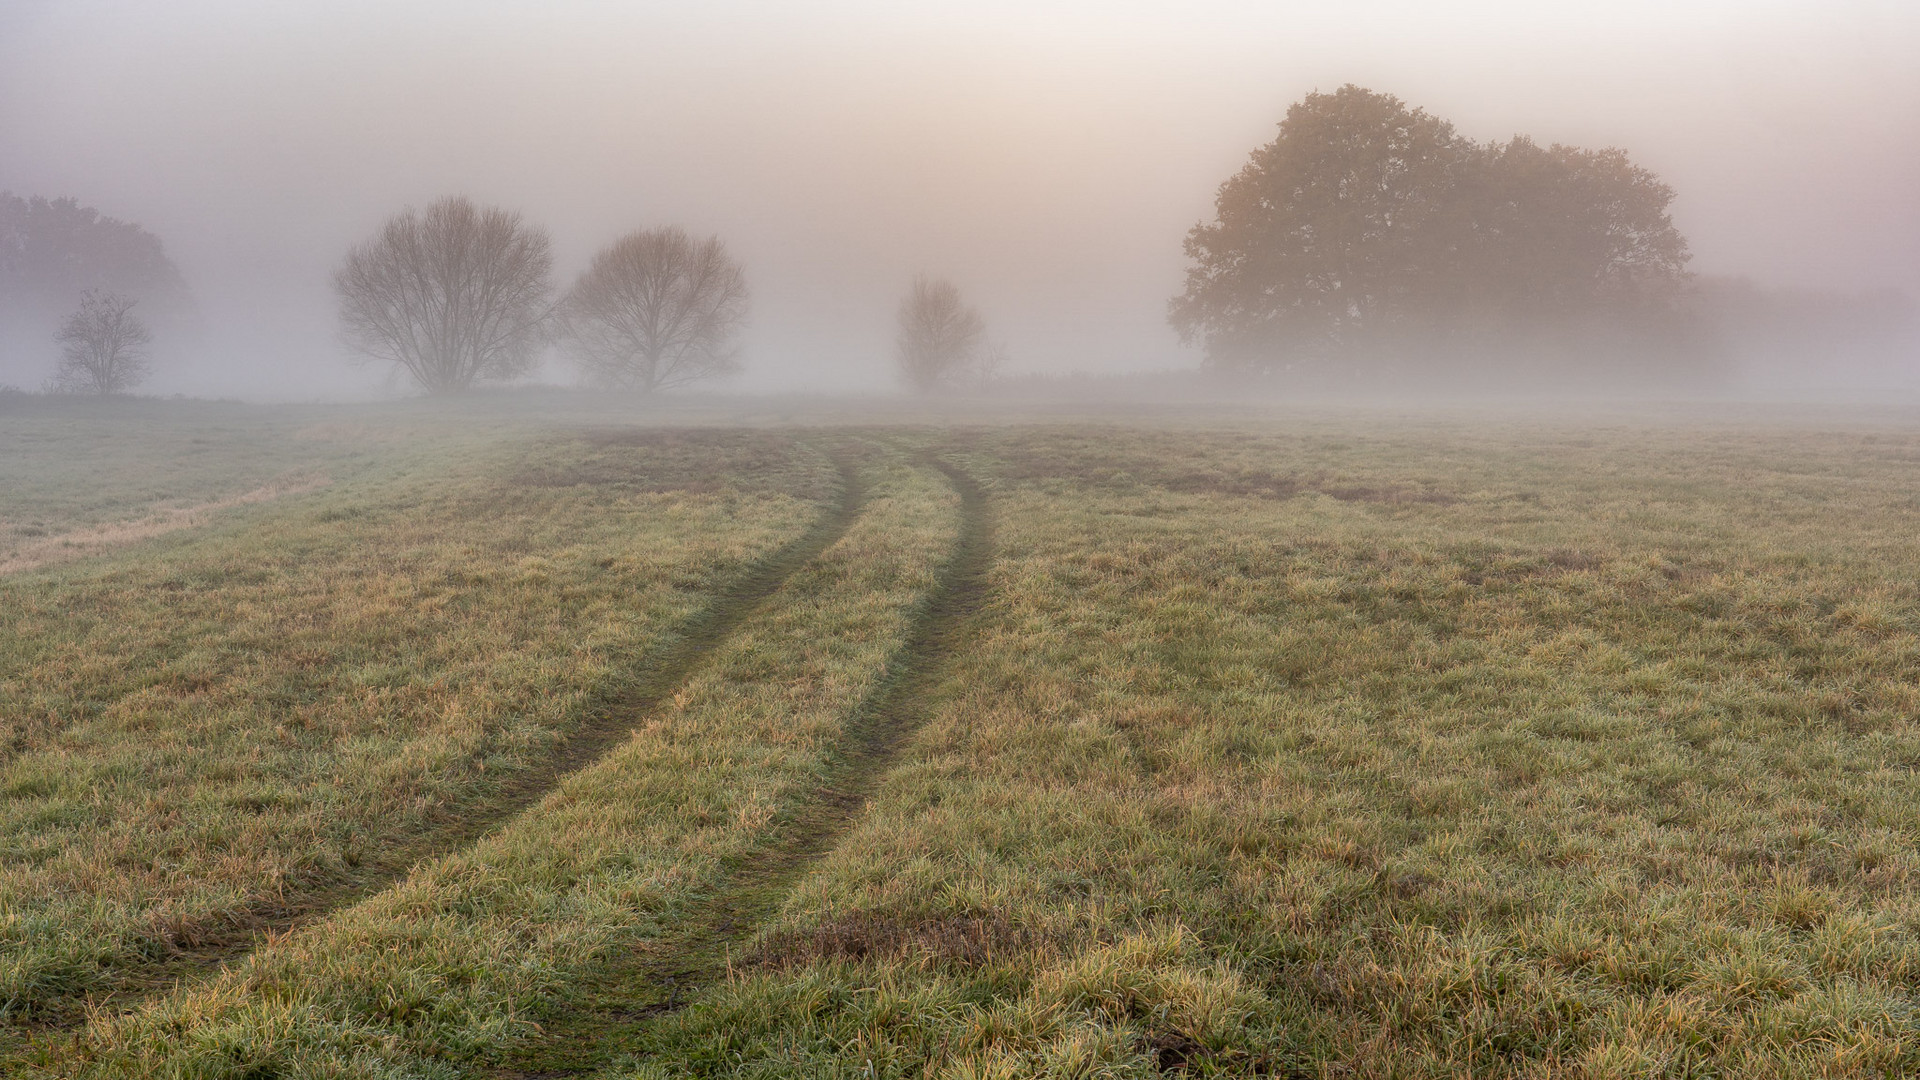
pixel 1286 743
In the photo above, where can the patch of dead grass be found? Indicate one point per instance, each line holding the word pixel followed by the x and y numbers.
pixel 41 551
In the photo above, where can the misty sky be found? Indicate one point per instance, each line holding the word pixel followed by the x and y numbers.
pixel 1047 157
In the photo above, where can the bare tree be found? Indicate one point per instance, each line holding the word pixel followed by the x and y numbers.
pixel 939 334
pixel 452 295
pixel 657 310
pixel 103 346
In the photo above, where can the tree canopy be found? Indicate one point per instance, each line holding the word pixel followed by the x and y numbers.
pixel 53 250
pixel 453 294
pixel 1370 237
pixel 940 334
pixel 657 310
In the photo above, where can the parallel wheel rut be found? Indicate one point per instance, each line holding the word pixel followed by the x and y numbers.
pixel 675 969
pixel 662 675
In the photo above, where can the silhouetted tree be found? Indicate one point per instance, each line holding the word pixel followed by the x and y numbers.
pixel 1569 248
pixel 52 251
pixel 1369 233
pixel 1324 235
pixel 939 334
pixel 657 310
pixel 453 295
pixel 102 347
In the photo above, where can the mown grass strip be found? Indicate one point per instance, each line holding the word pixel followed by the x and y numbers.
pixel 458 964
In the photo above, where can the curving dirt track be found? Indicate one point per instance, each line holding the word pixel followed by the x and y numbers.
pixel 671 974
pixel 662 675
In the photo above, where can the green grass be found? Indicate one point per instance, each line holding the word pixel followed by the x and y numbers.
pixel 225 730
pixel 1387 754
pixel 462 961
pixel 1320 745
pixel 69 467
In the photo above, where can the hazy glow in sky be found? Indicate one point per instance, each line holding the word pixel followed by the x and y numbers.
pixel 1048 157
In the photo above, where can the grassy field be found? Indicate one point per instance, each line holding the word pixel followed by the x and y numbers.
pixel 80 477
pixel 222 732
pixel 1315 745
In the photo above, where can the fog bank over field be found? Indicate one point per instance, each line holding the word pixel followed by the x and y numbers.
pixel 1048 159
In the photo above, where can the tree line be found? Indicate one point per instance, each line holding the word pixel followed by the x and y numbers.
pixel 1367 240
pixel 454 295
pixel 459 293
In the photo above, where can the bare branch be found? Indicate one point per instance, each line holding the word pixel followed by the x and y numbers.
pixel 939 334
pixel 655 311
pixel 103 346
pixel 454 295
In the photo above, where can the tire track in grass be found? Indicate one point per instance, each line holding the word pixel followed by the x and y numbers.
pixel 660 676
pixel 626 995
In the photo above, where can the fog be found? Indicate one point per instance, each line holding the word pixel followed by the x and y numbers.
pixel 1048 158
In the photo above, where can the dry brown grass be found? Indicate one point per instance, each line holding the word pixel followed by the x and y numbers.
pixel 42 551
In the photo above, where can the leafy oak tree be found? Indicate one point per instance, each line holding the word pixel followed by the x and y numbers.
pixel 1568 246
pixel 1327 237
pixel 1369 236
pixel 53 250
